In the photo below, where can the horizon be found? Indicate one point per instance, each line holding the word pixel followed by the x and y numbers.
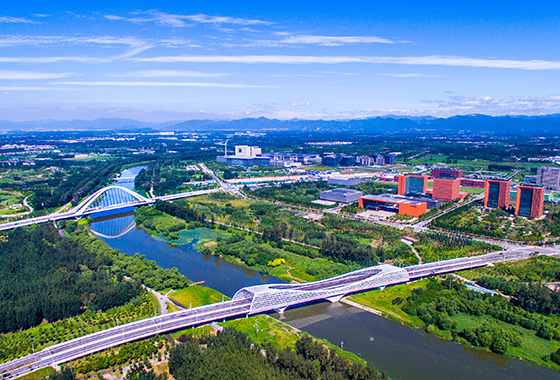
pixel 218 61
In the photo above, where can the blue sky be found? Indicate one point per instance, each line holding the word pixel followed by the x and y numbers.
pixel 306 59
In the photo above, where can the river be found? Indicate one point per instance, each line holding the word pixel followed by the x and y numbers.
pixel 400 352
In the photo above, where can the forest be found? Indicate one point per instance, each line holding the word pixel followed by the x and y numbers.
pixel 232 355
pixel 46 276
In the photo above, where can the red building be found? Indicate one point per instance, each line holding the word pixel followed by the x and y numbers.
pixel 473 183
pixel 497 194
pixel 446 173
pixel 412 184
pixel 446 189
pixel 530 201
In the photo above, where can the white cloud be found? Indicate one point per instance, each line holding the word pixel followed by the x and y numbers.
pixel 180 21
pixel 33 88
pixel 168 74
pixel 162 84
pixel 80 59
pixel 423 60
pixel 14 20
pixel 411 75
pixel 17 75
pixel 333 40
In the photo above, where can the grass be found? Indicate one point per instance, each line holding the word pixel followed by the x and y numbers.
pixel 171 308
pixel 196 296
pixel 382 300
pixel 472 190
pixel 39 374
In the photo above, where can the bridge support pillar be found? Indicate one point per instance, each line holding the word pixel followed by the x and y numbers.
pixel 334 299
pixel 281 311
pixel 381 287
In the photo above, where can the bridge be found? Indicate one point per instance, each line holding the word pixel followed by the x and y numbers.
pixel 109 199
pixel 254 300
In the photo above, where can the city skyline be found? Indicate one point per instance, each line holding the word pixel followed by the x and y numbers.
pixel 311 61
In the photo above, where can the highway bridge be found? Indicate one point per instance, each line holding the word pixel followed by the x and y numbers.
pixel 105 200
pixel 254 300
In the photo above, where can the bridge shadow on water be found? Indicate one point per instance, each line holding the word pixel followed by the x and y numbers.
pixel 113 226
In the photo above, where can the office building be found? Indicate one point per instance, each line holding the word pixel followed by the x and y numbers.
pixel 330 160
pixel 497 194
pixel 473 183
pixel 446 173
pixel 412 184
pixel 389 159
pixel 549 177
pixel 530 201
pixel 446 189
pixel 340 195
pixel 393 203
pixel 245 156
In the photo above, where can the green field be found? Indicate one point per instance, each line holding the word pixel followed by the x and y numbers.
pixel 196 295
pixel 382 300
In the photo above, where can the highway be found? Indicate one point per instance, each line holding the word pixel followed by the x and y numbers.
pixel 253 300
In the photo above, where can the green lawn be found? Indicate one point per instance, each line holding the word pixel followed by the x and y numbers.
pixel 197 295
pixel 382 300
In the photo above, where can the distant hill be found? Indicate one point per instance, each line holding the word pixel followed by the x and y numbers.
pixel 548 124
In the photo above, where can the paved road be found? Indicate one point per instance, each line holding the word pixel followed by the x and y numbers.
pixel 333 288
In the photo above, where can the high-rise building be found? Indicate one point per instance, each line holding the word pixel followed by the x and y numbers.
pixel 446 173
pixel 446 189
pixel 412 184
pixel 497 194
pixel 389 159
pixel 530 201
pixel 549 177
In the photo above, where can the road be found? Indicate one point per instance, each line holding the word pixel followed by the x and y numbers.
pixel 256 299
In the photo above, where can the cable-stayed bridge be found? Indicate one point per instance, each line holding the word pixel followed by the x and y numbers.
pixel 254 300
pixel 109 199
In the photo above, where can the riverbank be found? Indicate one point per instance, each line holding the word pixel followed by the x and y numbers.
pixel 241 248
pixel 392 302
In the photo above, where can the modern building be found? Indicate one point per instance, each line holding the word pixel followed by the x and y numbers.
pixel 412 184
pixel 530 201
pixel 473 183
pixel 247 151
pixel 347 160
pixel 344 181
pixel 497 194
pixel 446 173
pixel 390 159
pixel 287 159
pixel 245 156
pixel 330 160
pixel 340 195
pixel 395 203
pixel 549 177
pixel 446 189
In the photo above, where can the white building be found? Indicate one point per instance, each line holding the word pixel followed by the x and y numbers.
pixel 549 177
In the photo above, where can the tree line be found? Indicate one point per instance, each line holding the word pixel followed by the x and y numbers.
pixel 232 355
pixel 45 276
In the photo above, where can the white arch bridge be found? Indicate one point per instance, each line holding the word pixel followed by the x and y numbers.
pixel 253 300
pixel 109 199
